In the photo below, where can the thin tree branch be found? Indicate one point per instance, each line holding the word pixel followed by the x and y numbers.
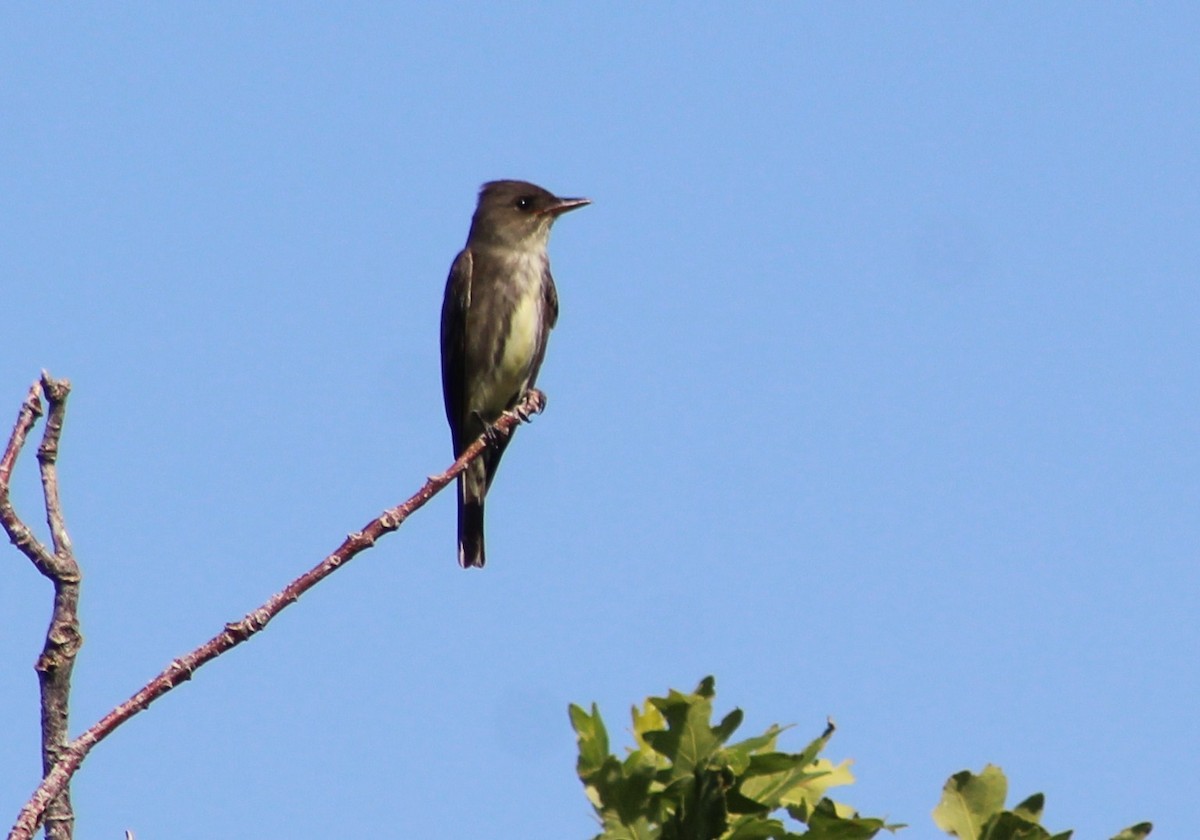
pixel 181 670
pixel 63 637
pixel 18 533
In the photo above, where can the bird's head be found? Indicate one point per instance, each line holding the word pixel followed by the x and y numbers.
pixel 518 213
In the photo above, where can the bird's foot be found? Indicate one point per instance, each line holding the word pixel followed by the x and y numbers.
pixel 537 404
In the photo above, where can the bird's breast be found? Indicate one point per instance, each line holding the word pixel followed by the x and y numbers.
pixel 524 332
pixel 510 331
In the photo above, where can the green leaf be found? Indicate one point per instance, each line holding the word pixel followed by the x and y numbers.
pixel 630 794
pixel 688 742
pixel 776 780
pixel 737 756
pixel 758 743
pixel 809 753
pixel 759 828
pixel 592 738
pixel 647 719
pixel 828 822
pixel 1009 825
pixel 618 792
pixel 728 726
pixel 969 801
pixel 1135 832
pixel 1031 808
pixel 771 777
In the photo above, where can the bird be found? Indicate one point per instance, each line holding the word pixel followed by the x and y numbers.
pixel 499 307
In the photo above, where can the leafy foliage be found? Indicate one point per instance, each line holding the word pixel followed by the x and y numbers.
pixel 683 781
pixel 972 808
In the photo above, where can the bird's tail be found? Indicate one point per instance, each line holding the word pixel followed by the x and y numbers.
pixel 470 524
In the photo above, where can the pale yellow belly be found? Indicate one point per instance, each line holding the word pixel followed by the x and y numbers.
pixel 504 381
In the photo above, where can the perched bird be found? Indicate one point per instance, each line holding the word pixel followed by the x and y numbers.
pixel 499 307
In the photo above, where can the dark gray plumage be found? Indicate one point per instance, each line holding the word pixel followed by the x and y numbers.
pixel 499 308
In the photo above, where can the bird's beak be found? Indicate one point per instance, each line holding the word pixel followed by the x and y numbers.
pixel 564 205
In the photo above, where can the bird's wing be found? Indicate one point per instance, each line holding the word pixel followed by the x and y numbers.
pixel 551 301
pixel 454 344
pixel 549 319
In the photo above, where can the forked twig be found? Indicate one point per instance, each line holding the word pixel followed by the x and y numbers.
pixel 63 637
pixel 181 670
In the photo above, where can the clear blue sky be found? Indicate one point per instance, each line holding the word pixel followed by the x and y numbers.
pixel 874 394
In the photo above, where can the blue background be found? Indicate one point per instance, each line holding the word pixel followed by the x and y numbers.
pixel 873 394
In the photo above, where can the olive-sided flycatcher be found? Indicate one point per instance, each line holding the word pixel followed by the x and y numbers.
pixel 499 307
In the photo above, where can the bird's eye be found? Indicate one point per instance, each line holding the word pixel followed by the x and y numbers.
pixel 525 203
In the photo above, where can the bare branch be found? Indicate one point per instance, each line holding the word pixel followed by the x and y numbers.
pixel 18 533
pixel 63 637
pixel 181 670
pixel 56 392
